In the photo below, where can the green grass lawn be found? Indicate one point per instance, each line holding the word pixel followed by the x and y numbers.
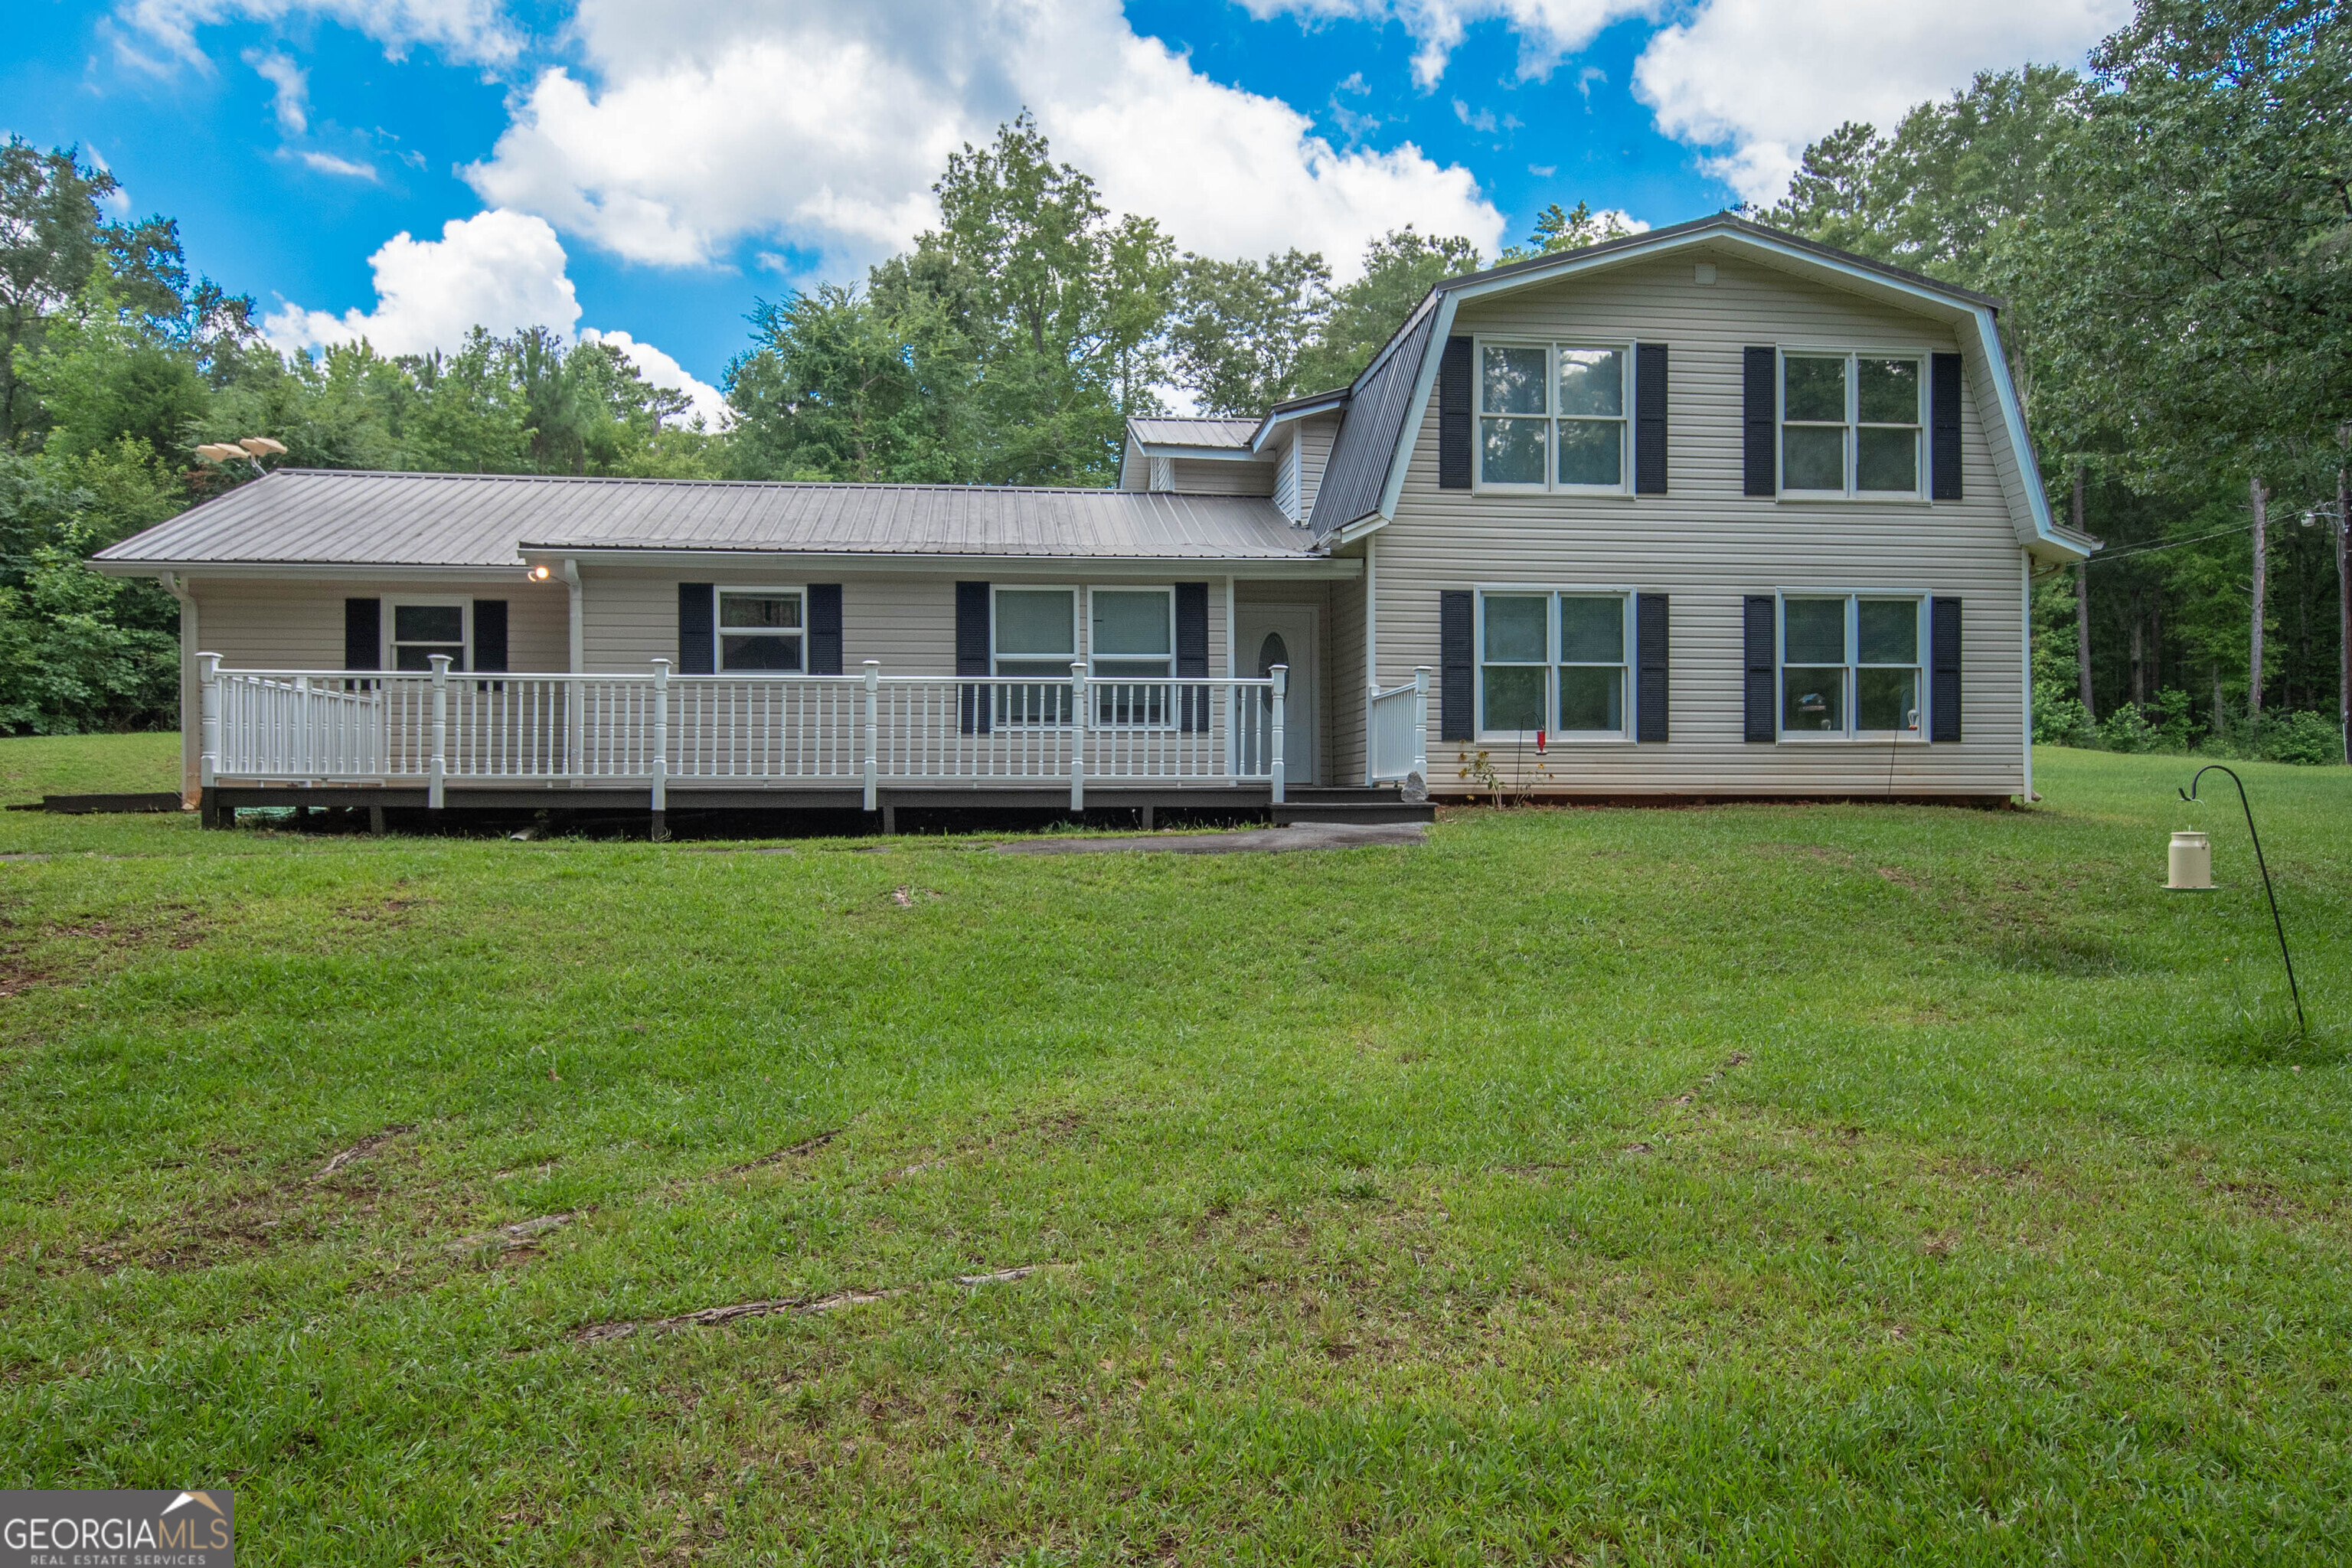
pixel 1819 1185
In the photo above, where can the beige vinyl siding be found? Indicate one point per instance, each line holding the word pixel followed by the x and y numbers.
pixel 276 624
pixel 1222 477
pixel 1707 545
pixel 273 624
pixel 1285 481
pixel 1314 438
pixel 905 620
pixel 1349 682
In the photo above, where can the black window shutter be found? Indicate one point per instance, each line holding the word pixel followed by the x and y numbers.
pixel 490 634
pixel 971 657
pixel 1758 630
pixel 1944 681
pixel 1457 664
pixel 1453 415
pixel 1944 429
pixel 825 628
pixel 1650 640
pixel 1650 419
pixel 1759 409
pixel 1192 654
pixel 697 651
pixel 362 634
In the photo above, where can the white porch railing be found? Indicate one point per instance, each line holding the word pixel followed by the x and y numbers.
pixel 1399 730
pixel 861 730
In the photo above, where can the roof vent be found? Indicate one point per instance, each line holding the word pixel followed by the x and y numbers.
pixel 1704 272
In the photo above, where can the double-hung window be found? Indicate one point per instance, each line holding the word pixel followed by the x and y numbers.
pixel 760 629
pixel 1849 423
pixel 1552 416
pixel 1036 641
pixel 1134 652
pixel 1553 661
pixel 1850 666
pixel 420 631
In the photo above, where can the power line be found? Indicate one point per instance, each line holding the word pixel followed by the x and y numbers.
pixel 2165 545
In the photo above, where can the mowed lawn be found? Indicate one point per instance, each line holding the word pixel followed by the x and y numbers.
pixel 1819 1185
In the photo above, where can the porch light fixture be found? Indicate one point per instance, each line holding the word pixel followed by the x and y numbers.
pixel 537 573
pixel 2202 860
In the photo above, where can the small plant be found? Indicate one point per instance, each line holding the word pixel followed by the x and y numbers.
pixel 1479 768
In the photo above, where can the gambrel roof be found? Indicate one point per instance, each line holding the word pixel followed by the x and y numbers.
pixel 1386 404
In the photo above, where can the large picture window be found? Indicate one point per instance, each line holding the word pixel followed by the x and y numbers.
pixel 1849 423
pixel 1552 416
pixel 1553 661
pixel 761 629
pixel 1850 666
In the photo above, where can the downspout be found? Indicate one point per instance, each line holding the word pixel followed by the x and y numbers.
pixel 2025 619
pixel 578 632
pixel 577 656
pixel 191 698
pixel 1372 644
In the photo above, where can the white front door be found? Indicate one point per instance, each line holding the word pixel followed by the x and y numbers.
pixel 1268 635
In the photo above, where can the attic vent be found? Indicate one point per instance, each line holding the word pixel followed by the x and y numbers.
pixel 1164 473
pixel 1704 272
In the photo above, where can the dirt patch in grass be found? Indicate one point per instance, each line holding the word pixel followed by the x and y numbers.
pixel 55 955
pixel 364 1149
pixel 796 1306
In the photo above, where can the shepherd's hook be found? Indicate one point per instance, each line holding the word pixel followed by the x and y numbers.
pixel 2276 925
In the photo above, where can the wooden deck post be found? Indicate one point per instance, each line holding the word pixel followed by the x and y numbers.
pixel 1077 735
pixel 661 751
pixel 208 758
pixel 440 763
pixel 873 743
pixel 1281 674
pixel 1421 722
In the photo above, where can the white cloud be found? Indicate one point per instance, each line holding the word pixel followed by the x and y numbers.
pixel 328 163
pixel 1548 30
pixel 663 370
pixel 119 203
pixel 472 30
pixel 1760 79
pixel 502 270
pixel 293 89
pixel 822 126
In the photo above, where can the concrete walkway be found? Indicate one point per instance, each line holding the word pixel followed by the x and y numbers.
pixel 1244 841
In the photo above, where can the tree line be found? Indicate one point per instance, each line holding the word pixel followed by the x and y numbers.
pixel 2171 228
pixel 2172 232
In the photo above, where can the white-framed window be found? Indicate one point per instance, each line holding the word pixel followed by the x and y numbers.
pixel 1555 660
pixel 1131 653
pixel 416 629
pixel 1033 640
pixel 1849 422
pixel 762 631
pixel 1552 416
pixel 1851 665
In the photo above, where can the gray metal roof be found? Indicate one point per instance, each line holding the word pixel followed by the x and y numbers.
pixel 1367 440
pixel 332 518
pixel 1220 432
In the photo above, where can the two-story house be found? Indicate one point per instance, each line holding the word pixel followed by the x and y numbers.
pixel 1710 512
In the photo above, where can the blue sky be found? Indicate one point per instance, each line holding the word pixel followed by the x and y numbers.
pixel 636 168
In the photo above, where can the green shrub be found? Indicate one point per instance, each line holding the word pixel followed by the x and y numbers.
pixel 2060 719
pixel 2128 729
pixel 2305 737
